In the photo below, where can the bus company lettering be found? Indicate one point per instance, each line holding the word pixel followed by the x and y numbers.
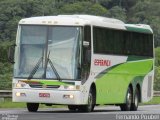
pixel 101 62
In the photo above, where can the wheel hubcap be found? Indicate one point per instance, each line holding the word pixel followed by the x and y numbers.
pixel 129 99
pixel 90 100
pixel 136 100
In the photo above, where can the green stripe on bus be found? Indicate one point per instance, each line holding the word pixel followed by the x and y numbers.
pixel 135 29
pixel 48 82
pixel 112 86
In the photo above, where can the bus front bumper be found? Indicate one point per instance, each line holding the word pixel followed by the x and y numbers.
pixel 47 96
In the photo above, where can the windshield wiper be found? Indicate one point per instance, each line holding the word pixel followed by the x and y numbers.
pixel 53 68
pixel 35 68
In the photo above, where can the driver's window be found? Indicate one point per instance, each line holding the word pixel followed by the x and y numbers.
pixel 86 54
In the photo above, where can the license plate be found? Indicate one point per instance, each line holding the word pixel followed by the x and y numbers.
pixel 46 95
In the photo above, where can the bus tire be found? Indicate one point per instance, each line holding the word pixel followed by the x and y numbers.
pixel 32 107
pixel 127 106
pixel 91 103
pixel 135 103
pixel 72 107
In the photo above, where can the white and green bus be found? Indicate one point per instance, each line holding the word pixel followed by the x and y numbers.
pixel 82 61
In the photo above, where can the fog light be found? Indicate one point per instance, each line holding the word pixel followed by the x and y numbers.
pixel 68 96
pixel 18 94
pixel 71 96
pixel 18 85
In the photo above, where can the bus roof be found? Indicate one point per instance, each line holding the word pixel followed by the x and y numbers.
pixel 81 20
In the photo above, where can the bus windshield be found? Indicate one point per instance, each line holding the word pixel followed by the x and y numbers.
pixel 43 47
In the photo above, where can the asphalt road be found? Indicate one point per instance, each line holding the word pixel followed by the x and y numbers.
pixel 150 112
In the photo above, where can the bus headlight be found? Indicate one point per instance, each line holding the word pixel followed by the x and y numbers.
pixel 72 87
pixel 68 96
pixel 20 85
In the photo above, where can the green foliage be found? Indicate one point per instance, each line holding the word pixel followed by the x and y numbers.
pixel 5 76
pixel 5 67
pixel 157 57
pixel 118 12
pixel 154 101
pixel 84 8
pixel 157 79
pixel 4 46
pixel 157 69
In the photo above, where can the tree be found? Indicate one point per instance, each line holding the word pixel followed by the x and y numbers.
pixel 11 11
pixel 118 13
pixel 5 67
pixel 84 8
pixel 157 57
pixel 157 79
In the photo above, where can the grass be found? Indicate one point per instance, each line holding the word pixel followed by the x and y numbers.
pixel 154 101
pixel 7 103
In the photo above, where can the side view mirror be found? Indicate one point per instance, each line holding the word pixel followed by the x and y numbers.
pixel 11 51
pixel 85 44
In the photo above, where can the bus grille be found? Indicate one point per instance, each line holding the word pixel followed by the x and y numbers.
pixel 43 86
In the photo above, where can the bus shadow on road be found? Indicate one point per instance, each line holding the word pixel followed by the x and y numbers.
pixel 109 109
pixel 67 111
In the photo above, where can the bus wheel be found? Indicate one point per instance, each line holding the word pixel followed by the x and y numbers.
pixel 127 105
pixel 32 107
pixel 134 105
pixel 91 103
pixel 72 107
